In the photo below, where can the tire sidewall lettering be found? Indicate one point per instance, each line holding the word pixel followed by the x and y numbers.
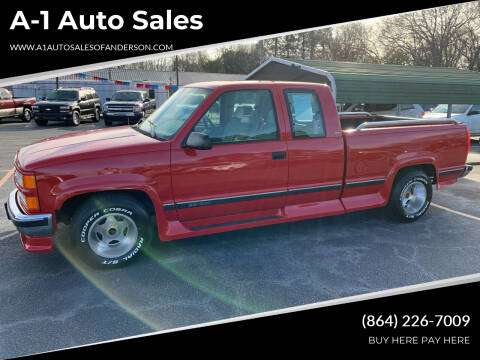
pixel 100 212
pixel 425 205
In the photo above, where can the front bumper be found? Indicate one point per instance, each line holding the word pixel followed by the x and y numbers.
pixel 39 225
pixel 58 116
pixel 122 116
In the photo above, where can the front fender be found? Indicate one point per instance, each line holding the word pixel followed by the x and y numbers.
pixel 117 182
pixel 78 186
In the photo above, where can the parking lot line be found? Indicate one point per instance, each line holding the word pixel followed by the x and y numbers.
pixel 456 212
pixel 7 175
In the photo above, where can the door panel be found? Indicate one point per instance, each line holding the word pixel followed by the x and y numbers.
pixel 316 159
pixel 474 120
pixel 246 169
pixel 228 171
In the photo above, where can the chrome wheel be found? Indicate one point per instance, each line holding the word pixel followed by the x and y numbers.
pixel 413 197
pixel 75 118
pixel 112 235
pixel 27 115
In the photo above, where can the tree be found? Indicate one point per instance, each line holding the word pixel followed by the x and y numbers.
pixel 433 37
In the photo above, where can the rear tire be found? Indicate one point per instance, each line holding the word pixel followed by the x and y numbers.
pixel 96 117
pixel 110 230
pixel 27 115
pixel 410 197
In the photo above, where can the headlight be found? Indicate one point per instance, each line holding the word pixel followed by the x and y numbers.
pixel 35 107
pixel 65 108
pixel 137 108
pixel 105 108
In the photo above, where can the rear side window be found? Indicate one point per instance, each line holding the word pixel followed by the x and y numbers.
pixel 406 107
pixel 305 112
pixel 239 116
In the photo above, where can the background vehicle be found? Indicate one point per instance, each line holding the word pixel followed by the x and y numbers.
pixel 466 114
pixel 128 106
pixel 71 105
pixel 406 110
pixel 197 168
pixel 15 107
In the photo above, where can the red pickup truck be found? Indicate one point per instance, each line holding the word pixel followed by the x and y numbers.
pixel 222 156
pixel 15 107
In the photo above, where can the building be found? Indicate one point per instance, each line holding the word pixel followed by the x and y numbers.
pixel 105 89
pixel 377 83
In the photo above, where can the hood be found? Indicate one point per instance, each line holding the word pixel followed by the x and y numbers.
pixel 123 103
pixel 56 103
pixel 86 145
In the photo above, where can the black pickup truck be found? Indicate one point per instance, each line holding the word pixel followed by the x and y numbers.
pixel 128 106
pixel 70 105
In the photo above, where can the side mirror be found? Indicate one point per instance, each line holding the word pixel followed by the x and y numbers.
pixel 146 100
pixel 108 99
pixel 83 98
pixel 199 141
pixel 43 98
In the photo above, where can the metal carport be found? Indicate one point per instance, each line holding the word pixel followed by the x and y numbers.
pixel 377 83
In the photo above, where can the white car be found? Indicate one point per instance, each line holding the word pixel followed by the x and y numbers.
pixel 467 114
pixel 406 110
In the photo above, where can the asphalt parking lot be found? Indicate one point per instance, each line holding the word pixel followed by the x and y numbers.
pixel 48 301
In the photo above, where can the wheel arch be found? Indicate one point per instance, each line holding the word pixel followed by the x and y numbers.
pixel 68 206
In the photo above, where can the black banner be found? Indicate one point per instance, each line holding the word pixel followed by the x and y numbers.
pixel 32 42
pixel 434 320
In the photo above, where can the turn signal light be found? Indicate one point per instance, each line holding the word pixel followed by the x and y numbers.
pixel 32 203
pixel 29 182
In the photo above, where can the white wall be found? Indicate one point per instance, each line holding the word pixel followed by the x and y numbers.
pixel 39 89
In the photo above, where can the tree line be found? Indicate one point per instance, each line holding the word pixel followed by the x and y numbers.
pixel 447 36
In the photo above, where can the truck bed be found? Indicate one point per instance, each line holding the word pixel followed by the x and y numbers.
pixel 376 150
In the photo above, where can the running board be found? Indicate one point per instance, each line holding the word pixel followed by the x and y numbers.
pixel 232 223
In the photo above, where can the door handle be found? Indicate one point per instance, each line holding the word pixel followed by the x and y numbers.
pixel 279 155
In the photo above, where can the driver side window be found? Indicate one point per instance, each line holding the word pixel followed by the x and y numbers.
pixel 239 116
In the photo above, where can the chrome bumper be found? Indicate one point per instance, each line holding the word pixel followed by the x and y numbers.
pixel 468 168
pixel 31 225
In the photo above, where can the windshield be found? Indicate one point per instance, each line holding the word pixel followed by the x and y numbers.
pixel 63 95
pixel 174 113
pixel 456 108
pixel 127 96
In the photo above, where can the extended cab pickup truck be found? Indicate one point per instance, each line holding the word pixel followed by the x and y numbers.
pixel 223 156
pixel 15 107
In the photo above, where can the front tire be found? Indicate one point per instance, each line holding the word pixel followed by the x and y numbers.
pixel 110 230
pixel 410 197
pixel 75 120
